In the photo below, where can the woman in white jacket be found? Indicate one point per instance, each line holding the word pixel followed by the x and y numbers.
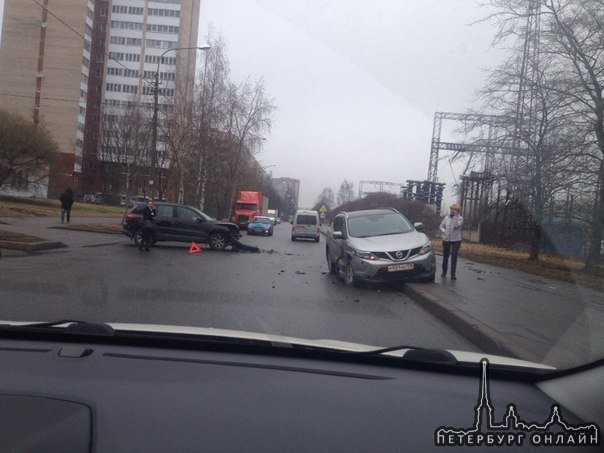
pixel 451 230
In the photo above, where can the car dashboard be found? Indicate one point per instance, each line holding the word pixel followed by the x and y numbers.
pixel 103 396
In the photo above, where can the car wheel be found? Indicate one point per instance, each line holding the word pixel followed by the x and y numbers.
pixel 349 277
pixel 217 241
pixel 333 268
pixel 138 237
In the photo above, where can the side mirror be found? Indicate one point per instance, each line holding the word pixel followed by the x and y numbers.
pixel 418 225
pixel 337 235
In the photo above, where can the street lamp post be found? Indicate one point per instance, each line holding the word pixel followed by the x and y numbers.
pixel 155 110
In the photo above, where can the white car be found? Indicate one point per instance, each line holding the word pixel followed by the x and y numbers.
pixel 306 225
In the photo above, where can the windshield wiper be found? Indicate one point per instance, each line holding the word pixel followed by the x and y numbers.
pixel 75 327
pixel 416 354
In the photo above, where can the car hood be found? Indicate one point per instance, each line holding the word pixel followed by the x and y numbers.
pixel 225 224
pixel 389 243
pixel 462 356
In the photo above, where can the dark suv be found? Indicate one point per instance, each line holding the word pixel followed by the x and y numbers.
pixel 176 222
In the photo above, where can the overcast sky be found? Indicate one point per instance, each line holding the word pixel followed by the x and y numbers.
pixel 356 82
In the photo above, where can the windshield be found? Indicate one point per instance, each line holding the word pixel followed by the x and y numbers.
pixel 378 225
pixel 246 206
pixel 479 120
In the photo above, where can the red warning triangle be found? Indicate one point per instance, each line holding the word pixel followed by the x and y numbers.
pixel 194 248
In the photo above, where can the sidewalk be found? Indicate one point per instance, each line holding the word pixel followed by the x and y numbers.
pixel 517 314
pixel 46 228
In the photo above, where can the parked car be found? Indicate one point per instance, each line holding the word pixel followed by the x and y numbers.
pixel 306 225
pixel 176 222
pixel 260 225
pixel 378 245
pixel 133 200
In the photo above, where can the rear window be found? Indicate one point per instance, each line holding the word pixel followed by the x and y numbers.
pixel 261 220
pixel 306 220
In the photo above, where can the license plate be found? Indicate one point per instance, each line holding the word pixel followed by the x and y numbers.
pixel 400 267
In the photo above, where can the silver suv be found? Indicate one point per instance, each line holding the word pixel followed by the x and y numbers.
pixel 378 245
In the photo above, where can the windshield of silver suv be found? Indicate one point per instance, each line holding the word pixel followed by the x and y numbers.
pixel 378 225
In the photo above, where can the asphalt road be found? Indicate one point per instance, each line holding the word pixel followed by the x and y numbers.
pixel 284 290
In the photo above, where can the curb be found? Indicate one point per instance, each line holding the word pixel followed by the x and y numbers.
pixel 488 339
pixel 85 230
pixel 31 246
pixel 479 333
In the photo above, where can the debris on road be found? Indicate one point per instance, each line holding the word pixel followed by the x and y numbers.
pixel 243 247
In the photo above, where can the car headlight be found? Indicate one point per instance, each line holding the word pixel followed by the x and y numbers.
pixel 425 249
pixel 366 255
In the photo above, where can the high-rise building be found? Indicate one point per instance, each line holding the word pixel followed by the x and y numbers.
pixel 285 186
pixel 44 64
pixel 70 64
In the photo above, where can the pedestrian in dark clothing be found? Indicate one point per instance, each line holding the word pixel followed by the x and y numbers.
pixel 66 204
pixel 451 230
pixel 148 217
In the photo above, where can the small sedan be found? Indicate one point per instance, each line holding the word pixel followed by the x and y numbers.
pixel 260 225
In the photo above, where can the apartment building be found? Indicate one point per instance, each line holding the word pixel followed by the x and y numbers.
pixel 141 38
pixel 44 69
pixel 71 64
pixel 283 186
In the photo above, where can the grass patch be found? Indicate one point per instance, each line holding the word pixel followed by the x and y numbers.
pixel 41 207
pixel 549 265
pixel 18 237
pixel 108 228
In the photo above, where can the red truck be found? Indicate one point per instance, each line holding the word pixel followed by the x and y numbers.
pixel 248 205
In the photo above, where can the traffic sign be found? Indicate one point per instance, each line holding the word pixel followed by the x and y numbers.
pixel 323 209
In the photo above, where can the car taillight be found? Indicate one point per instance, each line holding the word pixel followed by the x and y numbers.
pixel 130 217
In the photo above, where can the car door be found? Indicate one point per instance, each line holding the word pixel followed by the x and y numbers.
pixel 164 221
pixel 189 226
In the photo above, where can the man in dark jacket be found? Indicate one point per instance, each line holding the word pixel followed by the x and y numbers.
pixel 148 216
pixel 66 204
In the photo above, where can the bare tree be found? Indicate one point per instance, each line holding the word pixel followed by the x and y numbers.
pixel 26 151
pixel 571 37
pixel 326 198
pixel 214 151
pixel 126 142
pixel 248 119
pixel 345 193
